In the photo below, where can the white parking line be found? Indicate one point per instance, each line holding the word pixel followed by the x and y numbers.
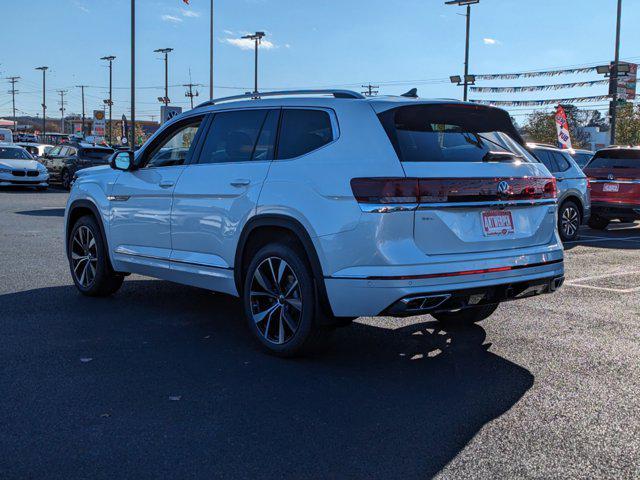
pixel 576 282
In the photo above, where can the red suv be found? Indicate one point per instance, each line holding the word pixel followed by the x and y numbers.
pixel 614 174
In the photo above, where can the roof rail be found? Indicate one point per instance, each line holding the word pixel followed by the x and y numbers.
pixel 258 95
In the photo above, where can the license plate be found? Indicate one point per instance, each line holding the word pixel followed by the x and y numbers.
pixel 497 222
pixel 610 187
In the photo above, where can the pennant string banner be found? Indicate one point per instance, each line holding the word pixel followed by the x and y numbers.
pixel 546 73
pixel 534 103
pixel 538 88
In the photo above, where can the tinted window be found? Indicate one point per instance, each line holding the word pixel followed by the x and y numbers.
pixel 547 159
pixel 55 151
pixel 582 158
pixel 9 153
pixel 233 137
pixel 303 131
pixel 616 159
pixel 99 154
pixel 561 161
pixel 173 147
pixel 449 133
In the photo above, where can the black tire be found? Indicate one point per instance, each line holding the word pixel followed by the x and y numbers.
pixel 466 316
pixel 569 220
pixel 598 223
pixel 65 179
pixel 290 295
pixel 92 276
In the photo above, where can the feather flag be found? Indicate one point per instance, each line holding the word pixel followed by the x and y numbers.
pixel 564 140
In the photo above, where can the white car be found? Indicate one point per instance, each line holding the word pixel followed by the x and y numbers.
pixel 316 207
pixel 37 150
pixel 18 168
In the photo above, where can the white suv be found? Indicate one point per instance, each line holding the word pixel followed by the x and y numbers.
pixel 316 207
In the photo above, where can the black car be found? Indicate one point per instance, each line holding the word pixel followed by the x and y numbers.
pixel 65 160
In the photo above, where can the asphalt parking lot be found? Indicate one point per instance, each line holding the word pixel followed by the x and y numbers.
pixel 162 381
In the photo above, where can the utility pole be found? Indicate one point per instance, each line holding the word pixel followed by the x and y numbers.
pixel 468 4
pixel 370 90
pixel 62 102
pixel 257 38
pixel 44 99
pixel 109 102
pixel 133 75
pixel 166 52
pixel 13 91
pixel 614 77
pixel 82 87
pixel 190 93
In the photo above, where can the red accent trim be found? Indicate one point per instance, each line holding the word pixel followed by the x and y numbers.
pixel 464 272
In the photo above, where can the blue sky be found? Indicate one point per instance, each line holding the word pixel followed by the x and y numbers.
pixel 311 43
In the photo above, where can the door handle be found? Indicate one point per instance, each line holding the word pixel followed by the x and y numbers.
pixel 240 182
pixel 166 184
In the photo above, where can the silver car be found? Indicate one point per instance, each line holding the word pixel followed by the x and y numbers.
pixel 574 200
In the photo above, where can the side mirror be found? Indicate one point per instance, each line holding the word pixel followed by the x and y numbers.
pixel 122 161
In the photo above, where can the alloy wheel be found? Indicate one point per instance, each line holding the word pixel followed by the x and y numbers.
pixel 84 256
pixel 276 300
pixel 570 221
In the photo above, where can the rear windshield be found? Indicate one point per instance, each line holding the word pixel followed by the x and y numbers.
pixel 581 158
pixel 97 153
pixel 8 153
pixel 440 133
pixel 616 159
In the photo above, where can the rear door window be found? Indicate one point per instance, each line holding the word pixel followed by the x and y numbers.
pixel 548 160
pixel 240 136
pixel 303 131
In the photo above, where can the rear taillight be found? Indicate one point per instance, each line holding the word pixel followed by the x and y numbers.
pixel 588 183
pixel 385 190
pixel 442 190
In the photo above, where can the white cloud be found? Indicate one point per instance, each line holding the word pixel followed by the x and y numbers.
pixel 248 44
pixel 490 41
pixel 82 7
pixel 171 18
pixel 229 32
pixel 189 13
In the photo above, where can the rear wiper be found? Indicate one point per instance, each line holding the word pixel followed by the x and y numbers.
pixel 492 156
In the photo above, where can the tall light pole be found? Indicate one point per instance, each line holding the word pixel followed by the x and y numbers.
pixel 614 76
pixel 468 4
pixel 62 93
pixel 211 54
pixel 44 99
pixel 257 38
pixel 109 102
pixel 133 75
pixel 165 51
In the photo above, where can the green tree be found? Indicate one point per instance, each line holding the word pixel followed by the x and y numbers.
pixel 541 128
pixel 628 125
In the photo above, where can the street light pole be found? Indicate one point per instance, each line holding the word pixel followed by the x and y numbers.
pixel 468 4
pixel 165 51
pixel 614 77
pixel 257 38
pixel 109 102
pixel 44 99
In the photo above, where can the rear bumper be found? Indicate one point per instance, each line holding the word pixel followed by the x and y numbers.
pixel 616 210
pixel 356 297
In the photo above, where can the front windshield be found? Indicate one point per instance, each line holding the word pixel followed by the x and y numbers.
pixel 12 153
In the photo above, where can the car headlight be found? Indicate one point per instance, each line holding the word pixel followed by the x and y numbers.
pixel 5 170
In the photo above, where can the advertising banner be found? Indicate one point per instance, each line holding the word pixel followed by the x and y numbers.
pixel 99 124
pixel 564 140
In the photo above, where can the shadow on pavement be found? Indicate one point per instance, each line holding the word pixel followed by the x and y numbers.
pixel 618 236
pixel 43 212
pixel 162 381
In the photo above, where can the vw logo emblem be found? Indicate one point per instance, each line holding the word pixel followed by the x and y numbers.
pixel 611 177
pixel 503 188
